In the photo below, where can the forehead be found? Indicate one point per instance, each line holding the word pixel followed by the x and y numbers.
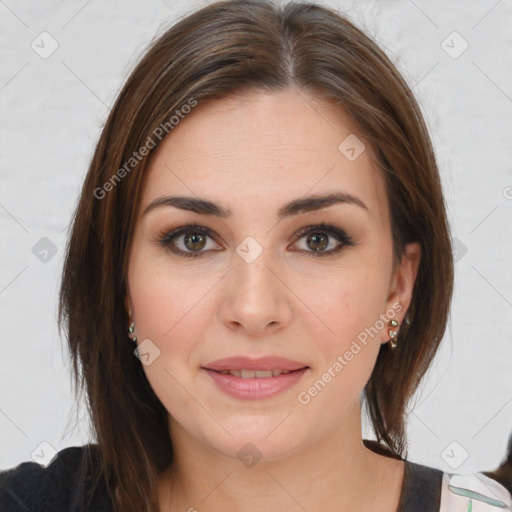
pixel 259 149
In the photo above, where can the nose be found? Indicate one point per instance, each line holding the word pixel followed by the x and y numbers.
pixel 255 296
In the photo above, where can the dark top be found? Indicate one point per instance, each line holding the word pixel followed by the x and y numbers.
pixel 66 485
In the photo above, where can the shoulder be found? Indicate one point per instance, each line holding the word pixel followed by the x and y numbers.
pixel 421 488
pixel 473 491
pixel 71 482
pixel 429 489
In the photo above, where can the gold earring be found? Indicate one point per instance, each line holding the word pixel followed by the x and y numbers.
pixel 131 330
pixel 393 332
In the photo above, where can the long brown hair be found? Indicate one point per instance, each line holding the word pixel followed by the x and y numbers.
pixel 226 47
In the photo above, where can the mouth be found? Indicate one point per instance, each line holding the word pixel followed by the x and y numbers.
pixel 256 374
pixel 242 363
pixel 247 384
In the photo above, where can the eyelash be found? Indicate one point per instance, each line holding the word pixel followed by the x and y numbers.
pixel 166 237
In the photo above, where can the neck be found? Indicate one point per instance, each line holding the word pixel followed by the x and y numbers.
pixel 336 472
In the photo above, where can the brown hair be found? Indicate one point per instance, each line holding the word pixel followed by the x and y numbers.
pixel 226 47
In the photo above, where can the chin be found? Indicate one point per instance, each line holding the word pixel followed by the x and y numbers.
pixel 257 449
pixel 257 437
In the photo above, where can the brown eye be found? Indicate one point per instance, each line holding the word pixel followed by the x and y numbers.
pixel 194 240
pixel 317 242
pixel 317 239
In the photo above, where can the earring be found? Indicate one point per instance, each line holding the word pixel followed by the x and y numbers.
pixel 393 333
pixel 131 330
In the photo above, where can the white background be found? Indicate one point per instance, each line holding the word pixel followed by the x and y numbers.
pixel 51 113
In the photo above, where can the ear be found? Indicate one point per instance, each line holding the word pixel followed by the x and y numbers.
pixel 402 285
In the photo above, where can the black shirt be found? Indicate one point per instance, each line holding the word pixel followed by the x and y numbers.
pixel 67 485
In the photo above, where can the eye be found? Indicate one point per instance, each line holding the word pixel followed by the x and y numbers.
pixel 194 239
pixel 317 238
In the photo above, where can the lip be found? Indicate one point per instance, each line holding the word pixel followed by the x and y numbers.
pixel 255 388
pixel 260 363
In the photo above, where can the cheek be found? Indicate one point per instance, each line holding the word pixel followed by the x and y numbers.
pixel 348 304
pixel 168 312
pixel 173 309
pixel 347 357
pixel 346 329
pixel 165 299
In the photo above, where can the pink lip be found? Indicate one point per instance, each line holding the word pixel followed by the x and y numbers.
pixel 261 363
pixel 255 388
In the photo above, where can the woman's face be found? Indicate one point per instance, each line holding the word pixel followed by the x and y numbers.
pixel 261 280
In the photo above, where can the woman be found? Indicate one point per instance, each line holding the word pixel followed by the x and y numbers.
pixel 263 218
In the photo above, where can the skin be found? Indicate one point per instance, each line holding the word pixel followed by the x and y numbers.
pixel 253 152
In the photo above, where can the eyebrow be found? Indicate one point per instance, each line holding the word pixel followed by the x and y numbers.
pixel 295 207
